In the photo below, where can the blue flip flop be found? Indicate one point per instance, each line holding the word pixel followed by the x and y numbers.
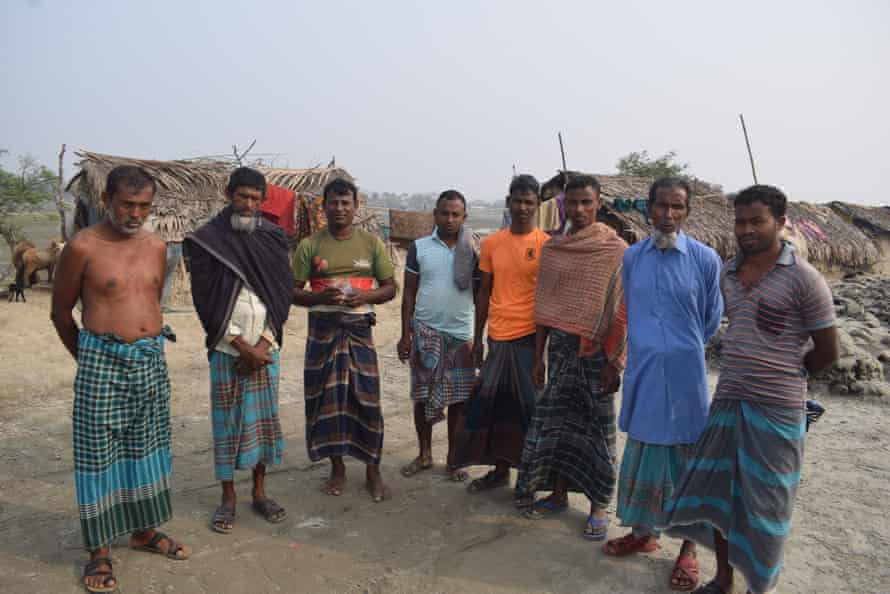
pixel 596 529
pixel 545 508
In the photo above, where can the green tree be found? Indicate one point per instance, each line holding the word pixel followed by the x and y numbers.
pixel 24 190
pixel 642 165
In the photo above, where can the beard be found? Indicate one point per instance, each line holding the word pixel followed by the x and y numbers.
pixel 244 224
pixel 120 226
pixel 664 241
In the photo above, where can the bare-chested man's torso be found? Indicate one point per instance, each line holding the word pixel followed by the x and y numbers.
pixel 121 280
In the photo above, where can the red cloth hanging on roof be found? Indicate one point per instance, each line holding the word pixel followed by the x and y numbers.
pixel 278 207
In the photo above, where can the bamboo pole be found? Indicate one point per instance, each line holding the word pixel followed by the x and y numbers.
pixel 562 151
pixel 748 144
pixel 60 195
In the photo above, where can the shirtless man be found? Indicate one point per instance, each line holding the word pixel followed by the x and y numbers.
pixel 122 461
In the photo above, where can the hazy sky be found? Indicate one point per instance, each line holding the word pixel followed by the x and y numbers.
pixel 420 96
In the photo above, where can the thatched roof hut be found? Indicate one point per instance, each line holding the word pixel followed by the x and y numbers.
pixel 189 192
pixel 828 241
pixel 407 225
pixel 874 221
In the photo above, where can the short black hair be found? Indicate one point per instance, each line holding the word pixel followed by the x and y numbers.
pixel 451 195
pixel 579 181
pixel 339 187
pixel 525 183
pixel 131 177
pixel 669 183
pixel 248 178
pixel 771 196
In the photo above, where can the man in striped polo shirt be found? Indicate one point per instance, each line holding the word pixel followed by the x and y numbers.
pixel 742 479
pixel 437 327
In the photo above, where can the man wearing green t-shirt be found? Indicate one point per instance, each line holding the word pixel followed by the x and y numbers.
pixel 348 271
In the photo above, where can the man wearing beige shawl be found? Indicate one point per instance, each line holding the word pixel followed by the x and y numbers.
pixel 579 308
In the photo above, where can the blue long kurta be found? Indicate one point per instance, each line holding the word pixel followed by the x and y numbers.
pixel 674 306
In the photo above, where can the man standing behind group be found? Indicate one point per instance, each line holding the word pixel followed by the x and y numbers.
pixel 742 478
pixel 121 418
pixel 674 306
pixel 342 385
pixel 437 327
pixel 241 286
pixel 502 403
pixel 579 305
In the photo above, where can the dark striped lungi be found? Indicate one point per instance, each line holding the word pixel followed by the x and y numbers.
pixel 244 415
pixel 742 480
pixel 572 433
pixel 122 460
pixel 500 406
pixel 342 388
pixel 442 370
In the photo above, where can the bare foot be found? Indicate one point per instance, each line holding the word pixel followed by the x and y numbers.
pixel 418 464
pixel 375 486
pixel 334 485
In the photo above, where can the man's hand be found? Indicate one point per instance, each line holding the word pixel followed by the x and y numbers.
pixel 478 354
pixel 404 347
pixel 356 298
pixel 252 358
pixel 329 296
pixel 610 378
pixel 539 374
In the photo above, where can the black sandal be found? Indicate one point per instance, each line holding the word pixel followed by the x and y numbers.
pixel 270 510
pixel 173 547
pixel 223 519
pixel 492 480
pixel 711 587
pixel 92 570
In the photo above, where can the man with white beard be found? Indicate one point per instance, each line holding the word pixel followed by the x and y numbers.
pixel 241 286
pixel 674 306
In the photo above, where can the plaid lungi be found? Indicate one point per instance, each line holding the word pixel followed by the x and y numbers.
pixel 500 406
pixel 742 480
pixel 572 433
pixel 442 370
pixel 121 418
pixel 342 388
pixel 244 415
pixel 649 476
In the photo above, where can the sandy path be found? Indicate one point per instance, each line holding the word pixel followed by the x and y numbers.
pixel 432 537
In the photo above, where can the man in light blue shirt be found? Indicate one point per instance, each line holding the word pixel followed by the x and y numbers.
pixel 437 327
pixel 674 306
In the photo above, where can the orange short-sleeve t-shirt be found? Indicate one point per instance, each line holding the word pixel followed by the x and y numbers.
pixel 513 262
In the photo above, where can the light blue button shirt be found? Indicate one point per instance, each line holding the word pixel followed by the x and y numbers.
pixel 440 304
pixel 674 306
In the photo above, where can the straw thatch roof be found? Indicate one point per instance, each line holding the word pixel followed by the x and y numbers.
pixel 874 221
pixel 826 239
pixel 408 225
pixel 189 192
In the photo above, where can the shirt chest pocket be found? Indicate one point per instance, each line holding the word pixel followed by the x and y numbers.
pixel 772 317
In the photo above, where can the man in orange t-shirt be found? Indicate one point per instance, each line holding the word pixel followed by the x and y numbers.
pixel 501 405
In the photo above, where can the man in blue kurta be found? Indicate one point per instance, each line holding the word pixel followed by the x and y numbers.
pixel 674 306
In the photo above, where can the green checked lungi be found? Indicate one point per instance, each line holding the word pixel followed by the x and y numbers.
pixel 122 460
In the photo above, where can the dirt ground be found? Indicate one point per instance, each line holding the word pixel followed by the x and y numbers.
pixel 431 537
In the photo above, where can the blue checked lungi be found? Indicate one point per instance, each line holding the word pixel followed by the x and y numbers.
pixel 244 415
pixel 121 419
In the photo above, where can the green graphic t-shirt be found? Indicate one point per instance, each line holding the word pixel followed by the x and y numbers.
pixel 357 261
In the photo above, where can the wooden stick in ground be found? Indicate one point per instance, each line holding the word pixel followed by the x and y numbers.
pixel 748 144
pixel 60 195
